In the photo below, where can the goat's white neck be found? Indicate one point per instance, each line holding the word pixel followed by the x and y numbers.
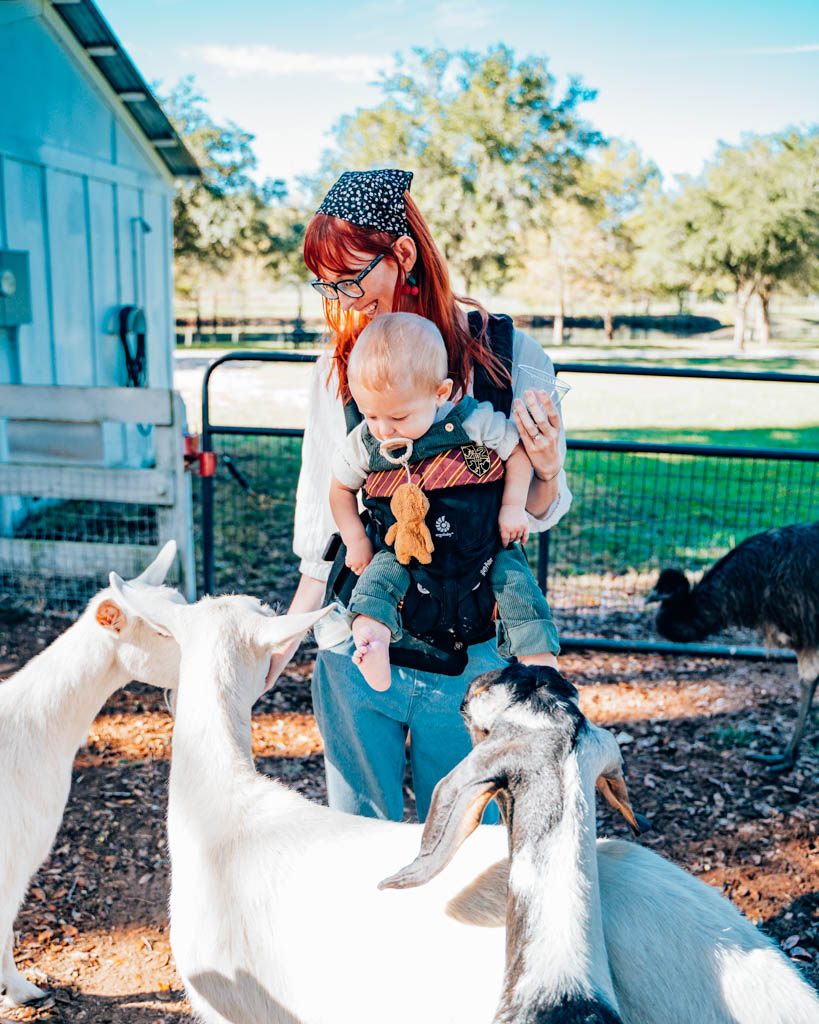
pixel 212 755
pixel 62 689
pixel 556 947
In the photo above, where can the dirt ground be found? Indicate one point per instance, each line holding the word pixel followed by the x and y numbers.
pixel 94 930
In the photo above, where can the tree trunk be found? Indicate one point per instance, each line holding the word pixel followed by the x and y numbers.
pixel 744 292
pixel 763 319
pixel 608 324
pixel 557 330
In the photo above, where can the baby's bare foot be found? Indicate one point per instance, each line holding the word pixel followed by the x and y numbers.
pixel 372 651
pixel 373 658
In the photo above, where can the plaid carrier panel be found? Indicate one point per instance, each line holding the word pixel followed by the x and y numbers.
pixel 470 464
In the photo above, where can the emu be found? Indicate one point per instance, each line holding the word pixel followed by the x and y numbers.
pixel 597 933
pixel 768 582
pixel 46 710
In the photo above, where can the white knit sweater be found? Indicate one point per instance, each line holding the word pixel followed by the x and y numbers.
pixel 326 429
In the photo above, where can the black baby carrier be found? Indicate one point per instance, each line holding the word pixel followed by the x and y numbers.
pixel 449 603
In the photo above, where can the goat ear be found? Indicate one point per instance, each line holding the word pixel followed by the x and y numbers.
pixel 278 630
pixel 614 792
pixel 110 616
pixel 455 812
pixel 161 614
pixel 156 572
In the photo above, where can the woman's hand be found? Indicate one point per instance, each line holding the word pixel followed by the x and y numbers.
pixel 538 423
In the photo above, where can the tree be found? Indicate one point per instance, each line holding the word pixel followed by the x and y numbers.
pixel 221 217
pixel 226 221
pixel 281 233
pixel 754 218
pixel 590 230
pixel 490 141
pixel 659 234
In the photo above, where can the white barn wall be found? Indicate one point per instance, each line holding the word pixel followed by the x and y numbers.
pixel 26 219
pixel 105 282
pixel 67 228
pixel 69 144
pixel 78 184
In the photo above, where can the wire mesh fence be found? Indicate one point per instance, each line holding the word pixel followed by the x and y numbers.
pixel 255 491
pixel 86 488
pixel 635 510
pixel 56 573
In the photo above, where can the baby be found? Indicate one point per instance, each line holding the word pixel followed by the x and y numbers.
pixel 397 374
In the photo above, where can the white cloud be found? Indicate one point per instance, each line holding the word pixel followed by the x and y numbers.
pixel 752 51
pixel 266 60
pixel 806 48
pixel 462 15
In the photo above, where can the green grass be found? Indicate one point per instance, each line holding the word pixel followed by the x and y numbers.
pixel 635 513
pixel 631 513
pixel 692 411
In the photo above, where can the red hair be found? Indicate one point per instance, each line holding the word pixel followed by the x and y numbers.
pixel 328 243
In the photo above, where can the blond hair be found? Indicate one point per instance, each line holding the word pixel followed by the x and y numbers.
pixel 397 350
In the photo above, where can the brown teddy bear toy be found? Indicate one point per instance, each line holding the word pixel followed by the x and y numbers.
pixel 410 533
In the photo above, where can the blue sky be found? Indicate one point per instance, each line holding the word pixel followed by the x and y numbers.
pixel 675 78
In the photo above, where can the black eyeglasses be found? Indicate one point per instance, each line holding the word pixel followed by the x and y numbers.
pixel 352 288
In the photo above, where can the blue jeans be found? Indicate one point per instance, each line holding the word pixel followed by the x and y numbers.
pixel 365 732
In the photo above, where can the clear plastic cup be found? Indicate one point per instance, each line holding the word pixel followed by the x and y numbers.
pixel 532 377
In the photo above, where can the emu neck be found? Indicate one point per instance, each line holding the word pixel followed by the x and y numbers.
pixel 211 737
pixel 555 950
pixel 60 691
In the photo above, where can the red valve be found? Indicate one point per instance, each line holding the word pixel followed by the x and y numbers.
pixel 190 451
pixel 207 463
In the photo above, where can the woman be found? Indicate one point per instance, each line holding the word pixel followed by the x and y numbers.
pixel 372 253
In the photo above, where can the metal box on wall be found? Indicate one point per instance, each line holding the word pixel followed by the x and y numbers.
pixel 15 289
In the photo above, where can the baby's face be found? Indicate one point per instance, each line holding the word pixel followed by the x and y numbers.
pixel 399 412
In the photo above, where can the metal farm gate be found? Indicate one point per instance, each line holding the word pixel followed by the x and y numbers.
pixel 638 506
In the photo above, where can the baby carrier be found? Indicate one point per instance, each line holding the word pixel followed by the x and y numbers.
pixel 449 603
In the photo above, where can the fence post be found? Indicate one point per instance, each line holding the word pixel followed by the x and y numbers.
pixel 206 482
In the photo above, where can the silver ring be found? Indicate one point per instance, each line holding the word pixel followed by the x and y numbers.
pixel 536 435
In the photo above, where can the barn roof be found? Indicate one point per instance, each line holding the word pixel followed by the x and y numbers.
pixel 102 46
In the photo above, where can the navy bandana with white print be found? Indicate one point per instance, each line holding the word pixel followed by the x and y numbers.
pixel 371 199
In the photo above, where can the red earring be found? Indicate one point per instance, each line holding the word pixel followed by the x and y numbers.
pixel 411 287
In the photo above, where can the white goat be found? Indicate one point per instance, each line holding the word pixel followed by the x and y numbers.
pixel 535 753
pixel 46 710
pixel 275 913
pixel 664 948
